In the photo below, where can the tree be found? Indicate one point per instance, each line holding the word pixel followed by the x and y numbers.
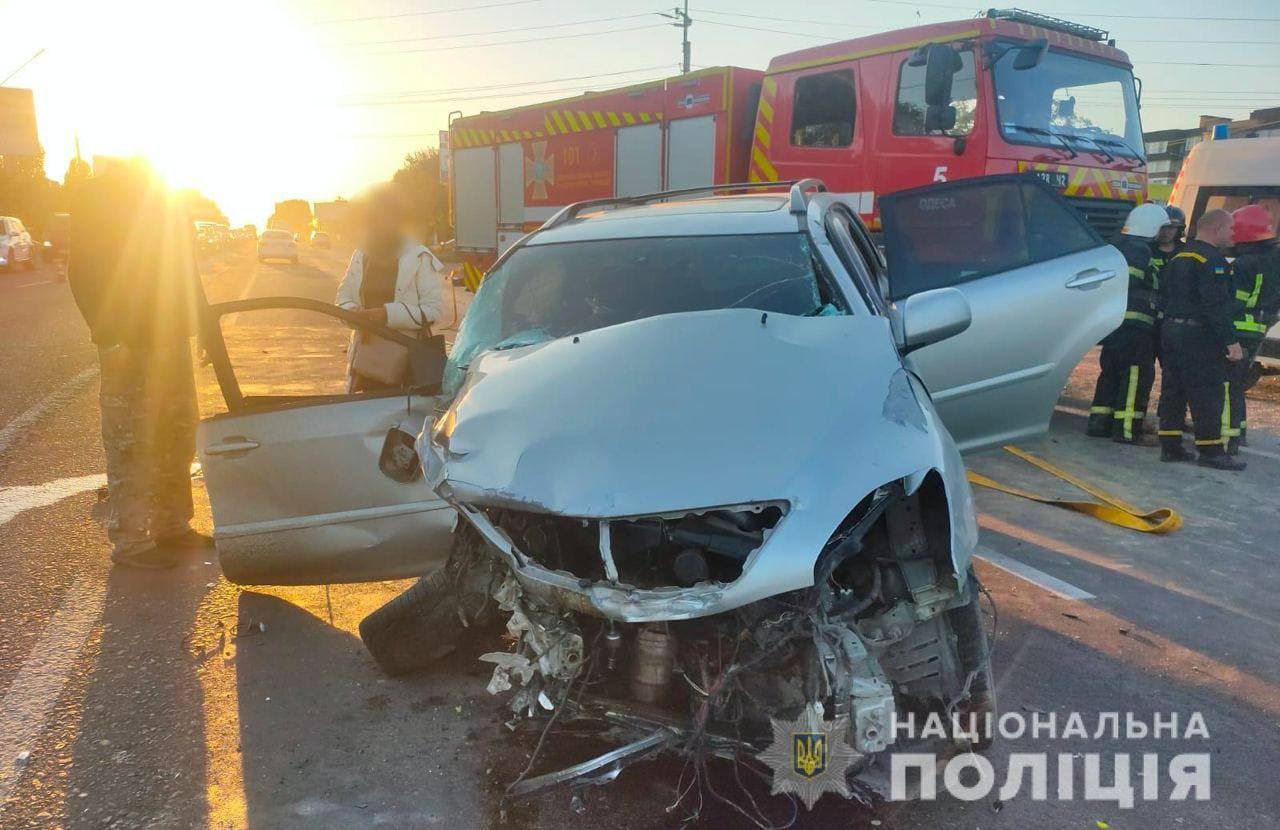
pixel 25 191
pixel 200 207
pixel 293 215
pixel 419 178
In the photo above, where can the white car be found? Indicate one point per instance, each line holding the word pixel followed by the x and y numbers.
pixel 707 445
pixel 277 244
pixel 16 248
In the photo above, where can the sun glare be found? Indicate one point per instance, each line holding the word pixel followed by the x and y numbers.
pixel 235 99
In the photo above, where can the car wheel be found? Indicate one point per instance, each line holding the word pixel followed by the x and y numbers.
pixel 438 613
pixel 973 648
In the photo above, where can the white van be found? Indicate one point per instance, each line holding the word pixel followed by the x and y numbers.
pixel 1231 173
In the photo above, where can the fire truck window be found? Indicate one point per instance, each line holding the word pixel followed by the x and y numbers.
pixel 824 110
pixel 908 112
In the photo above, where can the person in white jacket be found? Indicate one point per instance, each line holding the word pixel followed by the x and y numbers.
pixel 391 279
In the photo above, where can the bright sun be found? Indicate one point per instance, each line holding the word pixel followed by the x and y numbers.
pixel 234 98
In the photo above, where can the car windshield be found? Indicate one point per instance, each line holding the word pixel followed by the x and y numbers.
pixel 1088 105
pixel 542 292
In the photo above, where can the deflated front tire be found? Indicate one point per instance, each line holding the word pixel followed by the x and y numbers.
pixel 437 613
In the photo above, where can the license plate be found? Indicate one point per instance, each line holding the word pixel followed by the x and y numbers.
pixel 1053 178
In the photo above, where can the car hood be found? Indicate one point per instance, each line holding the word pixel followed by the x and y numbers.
pixel 682 411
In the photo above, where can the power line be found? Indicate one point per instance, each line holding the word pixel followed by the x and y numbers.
pixel 454 99
pixel 508 85
pixel 516 42
pixel 762 29
pixel 22 66
pixel 425 13
pixel 498 31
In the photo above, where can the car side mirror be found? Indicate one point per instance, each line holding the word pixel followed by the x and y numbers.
pixel 932 316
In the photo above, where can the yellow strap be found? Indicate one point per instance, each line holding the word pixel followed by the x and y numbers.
pixel 1112 511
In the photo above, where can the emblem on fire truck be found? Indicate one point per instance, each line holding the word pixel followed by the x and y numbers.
pixel 539 170
pixel 810 756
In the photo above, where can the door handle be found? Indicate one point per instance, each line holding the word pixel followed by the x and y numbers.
pixel 236 444
pixel 1090 278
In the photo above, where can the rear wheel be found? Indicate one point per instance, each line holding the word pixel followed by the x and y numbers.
pixel 439 612
pixel 973 649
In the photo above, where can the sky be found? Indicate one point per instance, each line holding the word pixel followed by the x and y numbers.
pixel 253 101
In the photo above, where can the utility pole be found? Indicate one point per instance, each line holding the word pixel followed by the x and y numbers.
pixel 682 19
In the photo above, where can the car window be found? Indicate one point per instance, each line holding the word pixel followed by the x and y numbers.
pixel 824 110
pixel 541 292
pixel 18 227
pixel 947 235
pixel 1232 197
pixel 863 269
pixel 908 112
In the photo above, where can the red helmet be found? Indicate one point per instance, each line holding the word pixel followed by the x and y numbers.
pixel 1252 223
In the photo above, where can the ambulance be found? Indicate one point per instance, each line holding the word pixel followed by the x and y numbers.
pixel 1010 92
pixel 1231 173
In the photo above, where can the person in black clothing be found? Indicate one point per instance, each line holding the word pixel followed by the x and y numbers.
pixel 1127 362
pixel 1198 333
pixel 133 276
pixel 1256 277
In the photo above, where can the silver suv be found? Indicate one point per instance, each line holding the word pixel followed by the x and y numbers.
pixel 707 445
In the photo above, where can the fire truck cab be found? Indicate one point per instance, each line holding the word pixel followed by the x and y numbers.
pixel 1011 92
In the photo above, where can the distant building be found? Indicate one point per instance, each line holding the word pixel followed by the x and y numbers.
pixel 1167 148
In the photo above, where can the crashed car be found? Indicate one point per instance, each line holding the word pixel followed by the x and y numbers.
pixel 700 453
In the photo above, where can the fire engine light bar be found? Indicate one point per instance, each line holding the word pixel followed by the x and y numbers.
pixel 1046 22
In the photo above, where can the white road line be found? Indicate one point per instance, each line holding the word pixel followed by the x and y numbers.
pixel 1035 576
pixel 29 284
pixel 35 690
pixel 15 500
pixel 15 428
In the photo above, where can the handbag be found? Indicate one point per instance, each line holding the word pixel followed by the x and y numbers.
pixel 391 364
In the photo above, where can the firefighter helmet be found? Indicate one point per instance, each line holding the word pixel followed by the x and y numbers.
pixel 1145 220
pixel 1252 223
pixel 1176 217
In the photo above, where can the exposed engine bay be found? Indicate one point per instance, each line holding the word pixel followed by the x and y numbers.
pixel 886 630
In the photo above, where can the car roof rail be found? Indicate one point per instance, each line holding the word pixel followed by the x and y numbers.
pixel 574 210
pixel 800 193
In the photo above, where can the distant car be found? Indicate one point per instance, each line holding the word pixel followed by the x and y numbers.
pixel 276 244
pixel 57 237
pixel 16 247
pixel 320 239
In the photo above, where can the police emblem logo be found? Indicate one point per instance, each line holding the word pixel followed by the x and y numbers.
pixel 810 756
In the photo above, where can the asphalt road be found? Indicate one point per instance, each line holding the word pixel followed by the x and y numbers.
pixel 179 700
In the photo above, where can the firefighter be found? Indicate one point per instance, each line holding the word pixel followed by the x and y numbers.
pixel 1256 276
pixel 1128 360
pixel 1198 332
pixel 1168 242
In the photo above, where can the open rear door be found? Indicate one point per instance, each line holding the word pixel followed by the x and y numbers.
pixel 292 468
pixel 1042 285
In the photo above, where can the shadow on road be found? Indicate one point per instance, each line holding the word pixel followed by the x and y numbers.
pixel 142 727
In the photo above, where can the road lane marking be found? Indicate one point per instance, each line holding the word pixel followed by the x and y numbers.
pixel 39 683
pixel 29 284
pixel 19 499
pixel 1035 576
pixel 1072 410
pixel 14 430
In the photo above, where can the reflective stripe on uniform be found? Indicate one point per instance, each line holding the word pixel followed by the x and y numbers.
pixel 1250 300
pixel 1227 431
pixel 1100 410
pixel 1140 317
pixel 1127 415
pixel 1190 255
pixel 1169 433
pixel 1137 273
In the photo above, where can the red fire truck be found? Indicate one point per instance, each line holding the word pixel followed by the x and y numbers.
pixel 1011 92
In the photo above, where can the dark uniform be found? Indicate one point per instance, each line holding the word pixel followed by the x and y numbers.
pixel 1197 330
pixel 1256 276
pixel 1129 353
pixel 1160 260
pixel 132 273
